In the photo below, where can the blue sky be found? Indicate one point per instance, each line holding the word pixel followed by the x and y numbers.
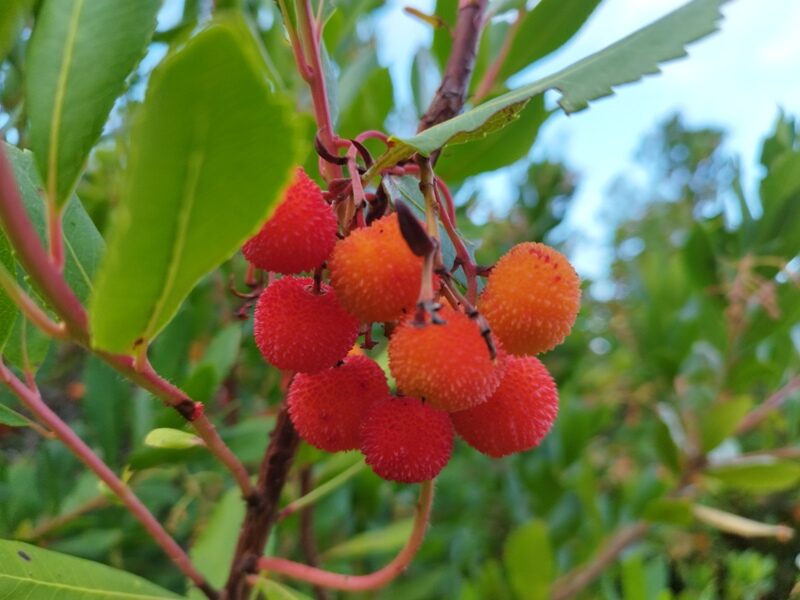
pixel 736 79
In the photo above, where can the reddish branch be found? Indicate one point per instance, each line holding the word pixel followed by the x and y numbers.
pixel 31 398
pixel 771 404
pixel 263 507
pixel 452 92
pixel 374 580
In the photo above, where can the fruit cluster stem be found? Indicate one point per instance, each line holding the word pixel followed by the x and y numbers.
pixel 32 399
pixel 372 581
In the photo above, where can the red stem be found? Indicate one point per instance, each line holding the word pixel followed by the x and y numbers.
pixel 27 245
pixel 491 74
pixel 55 237
pixel 33 401
pixel 372 581
pixel 470 268
pixel 311 35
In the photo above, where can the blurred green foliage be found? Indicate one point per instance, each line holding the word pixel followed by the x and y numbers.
pixel 693 321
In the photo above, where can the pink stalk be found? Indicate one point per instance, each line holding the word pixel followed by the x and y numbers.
pixel 33 401
pixel 25 241
pixel 372 581
pixel 55 236
pixel 490 76
pixel 470 268
pixel 372 134
pixel 311 35
pixel 29 307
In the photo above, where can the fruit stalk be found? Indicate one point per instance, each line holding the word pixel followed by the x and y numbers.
pixel 32 399
pixel 372 581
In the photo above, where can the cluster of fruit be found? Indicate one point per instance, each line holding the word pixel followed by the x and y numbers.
pixel 451 376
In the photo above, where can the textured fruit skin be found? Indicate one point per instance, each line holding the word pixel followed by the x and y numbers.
pixel 447 365
pixel 327 408
pixel 405 440
pixel 300 234
pixel 517 416
pixel 375 274
pixel 298 330
pixel 531 298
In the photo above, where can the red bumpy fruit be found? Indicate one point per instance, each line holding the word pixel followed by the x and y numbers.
pixel 447 365
pixel 517 416
pixel 405 440
pixel 531 298
pixel 327 408
pixel 375 274
pixel 300 234
pixel 297 329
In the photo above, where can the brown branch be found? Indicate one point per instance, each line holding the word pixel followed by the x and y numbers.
pixel 575 581
pixel 754 418
pixel 452 92
pixel 262 509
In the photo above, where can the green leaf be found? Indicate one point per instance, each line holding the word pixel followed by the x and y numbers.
pixel 220 355
pixel 12 18
pixel 726 416
pixel 459 161
pixel 213 550
pixel 768 475
pixel 172 439
pixel 211 152
pixel 779 227
pixel 525 544
pixel 673 511
pixel 634 578
pixel 365 96
pixel 83 244
pixel 30 572
pixel 106 408
pixel 80 53
pixel 8 310
pixel 593 77
pixel 545 29
pixel 376 541
pixel 12 418
pixel 275 591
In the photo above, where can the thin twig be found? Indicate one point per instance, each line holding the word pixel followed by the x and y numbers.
pixel 30 309
pixel 754 418
pixel 372 581
pixel 490 75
